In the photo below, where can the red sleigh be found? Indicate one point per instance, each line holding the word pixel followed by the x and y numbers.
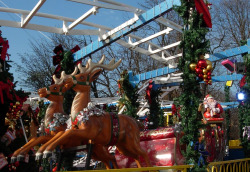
pixel 162 146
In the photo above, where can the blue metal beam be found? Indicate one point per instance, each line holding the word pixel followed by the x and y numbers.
pixel 144 18
pixel 222 78
pixel 229 53
pixel 214 57
pixel 229 105
pixel 151 74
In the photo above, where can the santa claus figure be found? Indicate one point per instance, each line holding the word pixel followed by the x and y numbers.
pixel 212 108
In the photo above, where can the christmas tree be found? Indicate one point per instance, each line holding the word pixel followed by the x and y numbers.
pixel 11 103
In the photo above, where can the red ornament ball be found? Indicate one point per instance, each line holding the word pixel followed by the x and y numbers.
pixel 202 63
pixel 200 75
pixel 198 70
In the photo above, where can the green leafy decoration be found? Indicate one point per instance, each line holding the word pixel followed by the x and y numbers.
pixel 129 96
pixel 194 44
pixel 155 112
pixel 244 108
pixel 227 112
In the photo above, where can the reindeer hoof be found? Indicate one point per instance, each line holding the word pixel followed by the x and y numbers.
pixel 20 158
pixel 47 154
pixel 13 159
pixel 38 156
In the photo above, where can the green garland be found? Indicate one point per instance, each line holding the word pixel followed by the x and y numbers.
pixel 227 112
pixel 155 112
pixel 244 108
pixel 194 44
pixel 68 66
pixel 129 96
pixel 42 110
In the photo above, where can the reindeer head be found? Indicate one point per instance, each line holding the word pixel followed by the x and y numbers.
pixel 82 81
pixel 56 90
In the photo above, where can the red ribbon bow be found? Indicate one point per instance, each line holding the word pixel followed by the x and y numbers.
pixel 148 91
pixel 5 47
pixel 6 87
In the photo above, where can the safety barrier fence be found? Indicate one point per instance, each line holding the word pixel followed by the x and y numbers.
pixel 240 165
pixel 178 168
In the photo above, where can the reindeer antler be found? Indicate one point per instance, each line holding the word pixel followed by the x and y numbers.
pixel 64 76
pixel 91 66
pixel 84 69
pixel 57 80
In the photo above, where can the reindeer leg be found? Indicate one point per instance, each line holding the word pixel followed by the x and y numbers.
pixel 75 134
pixel 113 160
pixel 24 146
pixel 39 140
pixel 43 147
pixel 16 153
pixel 101 153
pixel 132 148
pixel 19 154
pixel 135 151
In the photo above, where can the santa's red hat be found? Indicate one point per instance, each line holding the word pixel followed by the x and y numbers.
pixel 209 97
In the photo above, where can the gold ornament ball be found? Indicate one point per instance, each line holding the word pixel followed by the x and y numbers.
pixel 210 82
pixel 209 62
pixel 204 71
pixel 205 76
pixel 192 66
pixel 209 67
pixel 205 80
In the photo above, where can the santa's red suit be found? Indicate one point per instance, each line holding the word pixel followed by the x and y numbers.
pixel 213 108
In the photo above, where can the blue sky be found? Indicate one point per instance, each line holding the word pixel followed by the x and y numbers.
pixel 19 38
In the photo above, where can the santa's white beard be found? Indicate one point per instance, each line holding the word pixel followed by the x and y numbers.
pixel 212 105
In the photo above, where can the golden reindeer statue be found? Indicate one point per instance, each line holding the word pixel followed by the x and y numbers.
pixel 55 125
pixel 105 128
pixel 54 119
pixel 100 152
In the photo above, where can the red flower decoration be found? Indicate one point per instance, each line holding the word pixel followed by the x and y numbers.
pixel 5 46
pixel 75 49
pixel 148 91
pixel 59 55
pixel 58 49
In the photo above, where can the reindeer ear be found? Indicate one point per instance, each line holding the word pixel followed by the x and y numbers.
pixel 94 75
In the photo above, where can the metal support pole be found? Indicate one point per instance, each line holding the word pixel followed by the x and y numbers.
pixel 24 133
pixel 59 160
pixel 90 146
